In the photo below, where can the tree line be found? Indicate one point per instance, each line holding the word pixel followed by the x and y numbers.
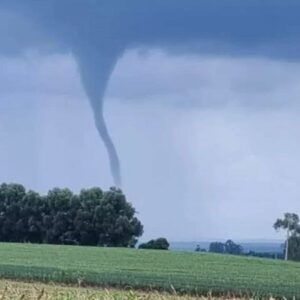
pixel 92 217
pixel 229 247
pixel 291 247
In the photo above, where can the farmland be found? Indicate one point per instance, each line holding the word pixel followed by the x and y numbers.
pixel 196 273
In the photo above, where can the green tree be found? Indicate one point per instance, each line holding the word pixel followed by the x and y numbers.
pixel 61 217
pixel 90 198
pixel 11 195
pixel 294 248
pixel 290 223
pixel 229 247
pixel 59 199
pixel 233 248
pixel 217 247
pixel 115 221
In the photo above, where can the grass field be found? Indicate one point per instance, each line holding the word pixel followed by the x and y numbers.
pixel 197 273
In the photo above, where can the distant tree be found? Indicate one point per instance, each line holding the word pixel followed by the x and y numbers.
pixel 233 248
pixel 290 223
pixel 229 247
pixel 158 244
pixel 294 248
pixel 272 255
pixel 217 247
pixel 199 249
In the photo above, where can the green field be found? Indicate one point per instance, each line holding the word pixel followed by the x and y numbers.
pixel 193 272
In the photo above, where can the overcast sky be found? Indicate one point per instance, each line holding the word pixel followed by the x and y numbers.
pixel 208 142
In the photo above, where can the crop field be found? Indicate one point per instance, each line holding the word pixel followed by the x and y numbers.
pixel 196 273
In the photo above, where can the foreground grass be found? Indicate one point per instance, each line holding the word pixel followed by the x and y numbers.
pixel 38 291
pixel 196 273
pixel 22 290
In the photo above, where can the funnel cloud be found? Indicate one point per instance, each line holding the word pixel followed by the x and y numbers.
pixel 95 70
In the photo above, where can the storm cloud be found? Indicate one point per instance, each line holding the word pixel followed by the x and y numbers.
pixel 214 59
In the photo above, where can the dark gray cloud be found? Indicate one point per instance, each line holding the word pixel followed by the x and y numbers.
pixel 192 25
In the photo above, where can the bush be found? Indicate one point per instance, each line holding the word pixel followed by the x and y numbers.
pixel 158 244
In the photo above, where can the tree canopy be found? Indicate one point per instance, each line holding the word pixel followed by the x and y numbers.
pixel 92 217
pixel 289 222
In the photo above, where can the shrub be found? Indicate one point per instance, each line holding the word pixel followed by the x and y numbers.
pixel 158 244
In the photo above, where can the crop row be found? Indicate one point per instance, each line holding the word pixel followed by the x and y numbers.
pixel 195 285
